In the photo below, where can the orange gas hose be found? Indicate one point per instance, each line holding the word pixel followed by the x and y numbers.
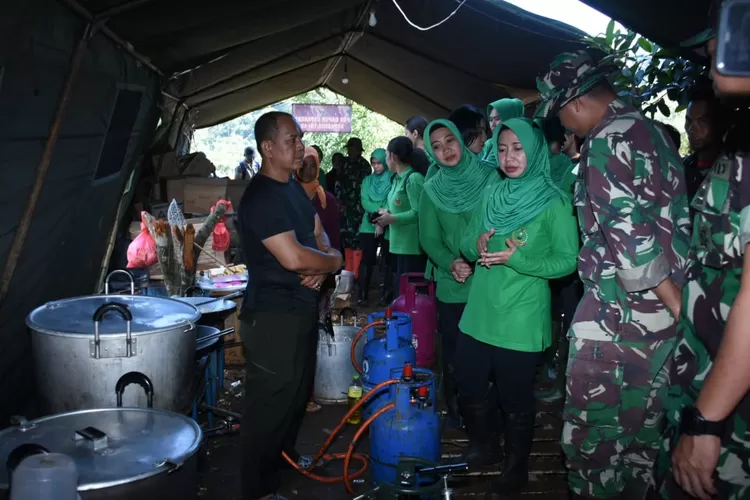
pixel 353 352
pixel 350 454
pixel 343 456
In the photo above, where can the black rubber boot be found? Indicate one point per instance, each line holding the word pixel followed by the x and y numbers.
pixel 386 296
pixel 483 447
pixel 451 398
pixel 365 278
pixel 519 436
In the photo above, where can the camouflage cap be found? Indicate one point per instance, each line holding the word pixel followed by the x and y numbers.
pixel 571 75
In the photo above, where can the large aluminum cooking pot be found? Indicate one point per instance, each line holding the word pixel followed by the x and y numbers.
pixel 82 346
pixel 120 453
pixel 334 370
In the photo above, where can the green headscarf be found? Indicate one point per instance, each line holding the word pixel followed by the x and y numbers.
pixel 457 189
pixel 507 109
pixel 379 184
pixel 514 202
pixel 559 165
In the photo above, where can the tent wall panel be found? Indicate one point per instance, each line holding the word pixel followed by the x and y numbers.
pixel 67 238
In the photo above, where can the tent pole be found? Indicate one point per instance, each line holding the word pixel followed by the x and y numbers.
pixel 124 45
pixel 19 238
pixel 119 9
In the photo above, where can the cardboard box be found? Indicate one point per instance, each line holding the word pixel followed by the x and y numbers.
pixel 235 190
pixel 198 194
pixel 202 193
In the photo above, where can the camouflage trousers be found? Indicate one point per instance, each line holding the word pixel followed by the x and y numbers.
pixel 613 414
pixel 692 362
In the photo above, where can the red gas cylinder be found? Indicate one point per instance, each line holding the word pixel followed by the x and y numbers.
pixel 417 299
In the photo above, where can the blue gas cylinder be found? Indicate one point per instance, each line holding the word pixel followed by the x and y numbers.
pixel 411 429
pixel 383 354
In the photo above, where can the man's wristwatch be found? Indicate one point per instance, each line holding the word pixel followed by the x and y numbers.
pixel 692 423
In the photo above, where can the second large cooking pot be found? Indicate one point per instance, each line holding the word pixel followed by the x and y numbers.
pixel 120 453
pixel 82 346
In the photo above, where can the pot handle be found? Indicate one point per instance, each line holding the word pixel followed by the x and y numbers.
pixel 125 313
pixel 19 454
pixel 193 288
pixel 343 313
pixel 135 378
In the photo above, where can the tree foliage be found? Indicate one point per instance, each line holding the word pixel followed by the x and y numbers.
pixel 650 75
pixel 224 144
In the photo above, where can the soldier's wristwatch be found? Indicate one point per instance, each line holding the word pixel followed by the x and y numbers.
pixel 692 423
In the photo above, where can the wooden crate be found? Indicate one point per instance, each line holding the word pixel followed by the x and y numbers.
pixel 233 356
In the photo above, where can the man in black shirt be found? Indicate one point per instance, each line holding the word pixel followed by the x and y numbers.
pixel 288 257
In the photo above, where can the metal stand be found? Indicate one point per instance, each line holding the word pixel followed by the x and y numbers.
pixel 412 474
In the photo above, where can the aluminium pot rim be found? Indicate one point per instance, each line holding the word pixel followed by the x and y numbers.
pixel 35 328
pixel 103 485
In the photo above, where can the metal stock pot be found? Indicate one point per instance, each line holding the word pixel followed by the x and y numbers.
pixel 120 453
pixel 83 345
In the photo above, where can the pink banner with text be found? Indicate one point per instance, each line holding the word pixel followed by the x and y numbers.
pixel 334 118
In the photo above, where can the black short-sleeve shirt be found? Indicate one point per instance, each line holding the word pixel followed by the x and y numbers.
pixel 268 208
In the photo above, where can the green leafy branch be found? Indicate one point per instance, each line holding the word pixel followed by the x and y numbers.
pixel 650 74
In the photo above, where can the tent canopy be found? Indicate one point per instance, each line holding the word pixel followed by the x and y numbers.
pixel 233 57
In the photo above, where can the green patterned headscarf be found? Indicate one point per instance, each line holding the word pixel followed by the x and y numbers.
pixel 513 202
pixel 457 189
pixel 379 184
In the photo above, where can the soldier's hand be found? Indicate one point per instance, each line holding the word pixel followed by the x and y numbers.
pixel 694 462
pixel 484 240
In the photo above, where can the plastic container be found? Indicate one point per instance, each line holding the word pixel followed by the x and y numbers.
pixel 354 394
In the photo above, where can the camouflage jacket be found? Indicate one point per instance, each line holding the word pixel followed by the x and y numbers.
pixel 722 229
pixel 633 214
pixel 348 186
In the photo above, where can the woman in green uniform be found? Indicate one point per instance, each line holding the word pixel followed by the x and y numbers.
pixel 497 112
pixel 522 234
pixel 447 204
pixel 374 196
pixel 402 209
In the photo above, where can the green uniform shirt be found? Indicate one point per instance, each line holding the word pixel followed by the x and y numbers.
pixel 440 234
pixel 509 305
pixel 403 203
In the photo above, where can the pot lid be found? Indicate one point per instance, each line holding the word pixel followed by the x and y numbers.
pixel 109 446
pixel 208 305
pixel 76 315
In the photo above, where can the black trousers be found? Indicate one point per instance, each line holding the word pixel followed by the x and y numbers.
pixel 512 371
pixel 280 353
pixel 449 315
pixel 370 245
pixel 407 264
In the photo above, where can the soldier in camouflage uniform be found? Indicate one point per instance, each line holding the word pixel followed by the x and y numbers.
pixel 348 186
pixel 633 215
pixel 706 450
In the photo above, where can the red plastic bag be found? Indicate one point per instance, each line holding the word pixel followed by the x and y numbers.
pixel 221 239
pixel 142 250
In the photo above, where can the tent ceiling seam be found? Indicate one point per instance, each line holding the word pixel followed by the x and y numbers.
pixel 356 32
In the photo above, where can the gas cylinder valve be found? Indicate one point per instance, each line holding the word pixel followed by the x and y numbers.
pixel 408 373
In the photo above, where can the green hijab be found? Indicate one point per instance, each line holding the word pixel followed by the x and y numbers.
pixel 457 189
pixel 513 202
pixel 559 165
pixel 507 109
pixel 379 184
